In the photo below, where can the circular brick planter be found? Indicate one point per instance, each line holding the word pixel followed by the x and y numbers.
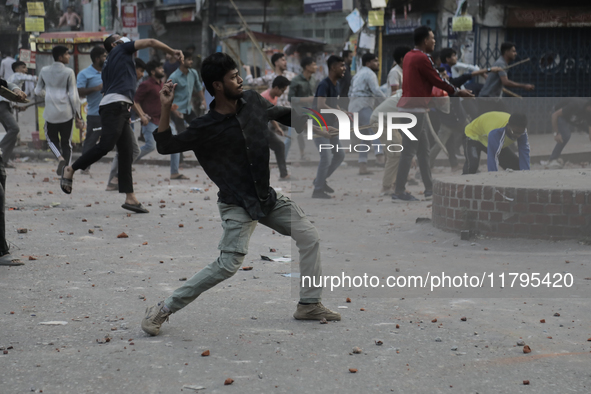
pixel 527 204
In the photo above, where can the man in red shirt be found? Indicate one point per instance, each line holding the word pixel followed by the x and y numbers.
pixel 419 78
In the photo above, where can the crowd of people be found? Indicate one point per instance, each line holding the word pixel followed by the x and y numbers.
pixel 232 141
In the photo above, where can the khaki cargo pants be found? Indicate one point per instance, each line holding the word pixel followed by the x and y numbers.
pixel 392 160
pixel 286 218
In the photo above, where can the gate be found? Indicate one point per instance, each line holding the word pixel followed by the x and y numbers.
pixel 560 66
pixel 560 63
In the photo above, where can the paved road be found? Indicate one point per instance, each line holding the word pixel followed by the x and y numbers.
pixel 100 285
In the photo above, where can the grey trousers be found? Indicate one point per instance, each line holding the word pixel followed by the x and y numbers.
pixel 11 126
pixel 286 218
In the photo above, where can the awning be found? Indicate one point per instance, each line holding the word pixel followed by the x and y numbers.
pixel 273 38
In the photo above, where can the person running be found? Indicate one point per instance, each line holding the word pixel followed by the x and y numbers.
pixel 280 84
pixel 137 113
pixel 420 76
pixel 7 119
pixel 231 145
pixel 493 87
pixel 90 84
pixel 62 104
pixel 326 96
pixel 6 259
pixel 119 86
pixel 364 89
pixel 569 114
pixel 492 133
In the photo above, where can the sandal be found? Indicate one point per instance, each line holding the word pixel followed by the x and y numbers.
pixel 137 208
pixel 64 183
pixel 180 177
pixel 8 261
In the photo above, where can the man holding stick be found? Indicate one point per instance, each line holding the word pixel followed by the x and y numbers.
pixel 495 82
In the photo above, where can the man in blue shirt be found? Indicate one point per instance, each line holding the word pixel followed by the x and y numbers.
pixel 327 94
pixel 90 83
pixel 188 82
pixel 119 85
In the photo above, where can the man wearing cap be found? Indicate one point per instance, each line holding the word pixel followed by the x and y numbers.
pixel 119 85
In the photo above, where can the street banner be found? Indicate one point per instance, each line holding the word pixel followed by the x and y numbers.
pixel 129 17
pixel 27 56
pixel 36 8
pixel 35 24
pixel 378 3
pixel 375 18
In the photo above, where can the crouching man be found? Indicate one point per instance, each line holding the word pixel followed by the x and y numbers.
pixel 492 133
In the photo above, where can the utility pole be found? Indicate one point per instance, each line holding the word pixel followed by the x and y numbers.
pixel 206 33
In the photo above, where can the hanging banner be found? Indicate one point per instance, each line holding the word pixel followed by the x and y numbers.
pixel 129 17
pixel 27 56
pixel 462 23
pixel 106 14
pixel 403 26
pixel 36 9
pixel 355 20
pixel 378 3
pixel 375 18
pixel 367 40
pixel 35 24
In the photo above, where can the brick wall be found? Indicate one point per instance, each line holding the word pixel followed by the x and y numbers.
pixel 512 212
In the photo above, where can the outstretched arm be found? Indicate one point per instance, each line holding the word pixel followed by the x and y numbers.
pixel 152 43
pixel 512 84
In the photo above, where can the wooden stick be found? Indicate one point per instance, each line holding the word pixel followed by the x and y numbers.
pixel 510 93
pixel 252 38
pixel 434 134
pixel 10 95
pixel 517 64
pixel 227 45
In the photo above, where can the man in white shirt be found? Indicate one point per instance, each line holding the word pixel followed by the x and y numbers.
pixel 62 104
pixel 6 66
pixel 7 119
pixel 395 74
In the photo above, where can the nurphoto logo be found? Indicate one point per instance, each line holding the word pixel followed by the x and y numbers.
pixel 345 129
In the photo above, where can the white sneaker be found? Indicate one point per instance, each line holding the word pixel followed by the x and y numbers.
pixel 544 162
pixel 554 165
